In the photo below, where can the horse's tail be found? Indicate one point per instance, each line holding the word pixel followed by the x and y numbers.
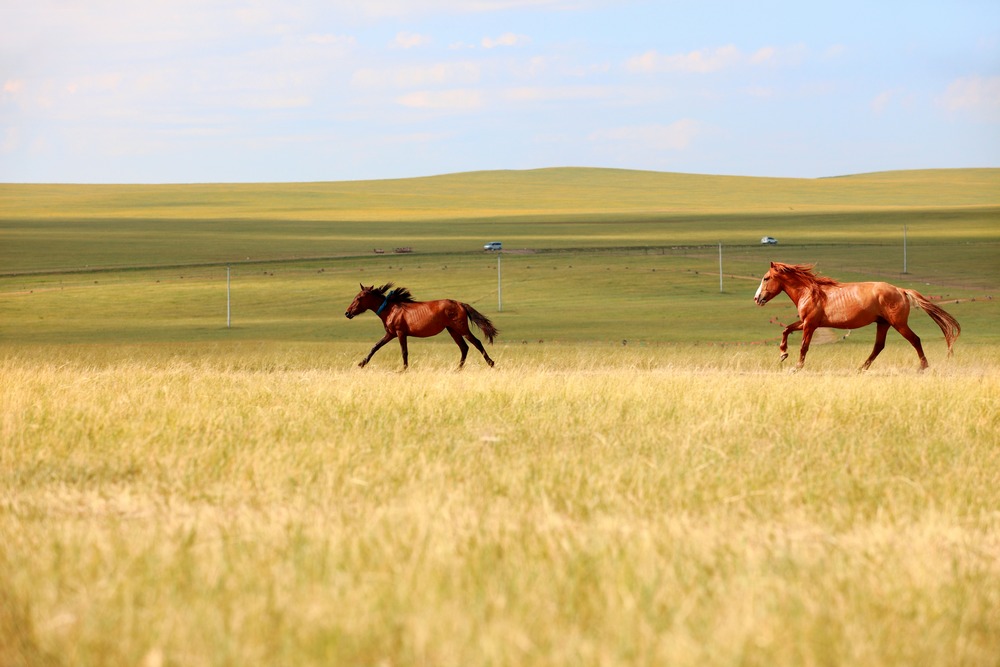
pixel 949 325
pixel 481 321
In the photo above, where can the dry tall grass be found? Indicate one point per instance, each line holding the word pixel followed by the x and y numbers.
pixel 577 505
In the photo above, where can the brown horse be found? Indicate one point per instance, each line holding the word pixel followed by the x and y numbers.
pixel 824 302
pixel 402 316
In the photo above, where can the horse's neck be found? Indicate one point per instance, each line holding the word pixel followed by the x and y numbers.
pixel 796 292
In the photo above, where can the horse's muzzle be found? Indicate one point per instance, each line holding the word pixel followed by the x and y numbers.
pixel 760 300
pixel 348 315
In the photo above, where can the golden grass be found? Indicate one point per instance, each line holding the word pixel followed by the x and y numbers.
pixel 577 505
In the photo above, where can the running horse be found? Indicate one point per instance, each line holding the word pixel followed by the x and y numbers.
pixel 824 302
pixel 402 316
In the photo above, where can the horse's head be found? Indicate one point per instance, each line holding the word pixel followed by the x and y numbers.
pixel 770 286
pixel 365 300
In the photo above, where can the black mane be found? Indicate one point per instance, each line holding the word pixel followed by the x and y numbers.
pixel 394 294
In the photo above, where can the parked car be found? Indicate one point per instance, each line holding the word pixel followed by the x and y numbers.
pixel 493 245
pixel 769 240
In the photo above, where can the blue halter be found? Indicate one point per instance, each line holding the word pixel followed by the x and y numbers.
pixel 385 303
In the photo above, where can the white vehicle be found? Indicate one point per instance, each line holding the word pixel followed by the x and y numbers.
pixel 769 240
pixel 493 245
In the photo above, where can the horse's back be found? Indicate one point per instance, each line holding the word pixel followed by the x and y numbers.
pixel 853 305
pixel 429 318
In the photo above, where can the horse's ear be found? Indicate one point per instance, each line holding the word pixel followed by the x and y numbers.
pixel 361 286
pixel 772 265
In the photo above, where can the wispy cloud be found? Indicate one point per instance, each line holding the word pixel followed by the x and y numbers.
pixel 382 9
pixel 456 100
pixel 531 94
pixel 977 94
pixel 416 76
pixel 506 39
pixel 701 61
pixel 410 40
pixel 704 61
pixel 894 97
pixel 676 136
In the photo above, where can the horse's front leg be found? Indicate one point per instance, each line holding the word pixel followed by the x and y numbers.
pixel 385 339
pixel 807 334
pixel 783 347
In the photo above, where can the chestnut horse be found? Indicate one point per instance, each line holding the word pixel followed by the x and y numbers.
pixel 402 316
pixel 824 302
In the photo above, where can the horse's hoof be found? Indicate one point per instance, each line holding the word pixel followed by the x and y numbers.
pixel 362 364
pixel 782 357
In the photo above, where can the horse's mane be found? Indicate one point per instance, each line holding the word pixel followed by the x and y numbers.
pixel 802 274
pixel 393 294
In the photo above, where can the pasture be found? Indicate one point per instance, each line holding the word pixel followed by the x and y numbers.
pixel 637 481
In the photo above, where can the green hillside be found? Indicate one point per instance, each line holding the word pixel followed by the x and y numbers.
pixel 73 227
pixel 564 191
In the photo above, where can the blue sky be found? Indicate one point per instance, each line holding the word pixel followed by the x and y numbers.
pixel 156 91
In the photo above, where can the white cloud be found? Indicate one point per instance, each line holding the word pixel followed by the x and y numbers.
pixel 275 101
pixel 409 40
pixel 705 60
pixel 506 39
pixel 764 56
pixel 835 51
pixel 381 9
pixel 331 40
pixel 882 100
pixel 976 94
pixel 439 74
pixel 760 92
pixel 532 94
pixel 676 136
pixel 100 83
pixel 10 141
pixel 443 100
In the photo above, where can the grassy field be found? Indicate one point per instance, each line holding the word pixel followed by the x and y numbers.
pixel 271 504
pixel 637 481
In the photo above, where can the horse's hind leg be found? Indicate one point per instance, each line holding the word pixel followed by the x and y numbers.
pixel 457 337
pixel 881 329
pixel 404 350
pixel 479 346
pixel 906 332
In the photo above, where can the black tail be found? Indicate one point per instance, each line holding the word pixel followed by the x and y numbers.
pixel 482 322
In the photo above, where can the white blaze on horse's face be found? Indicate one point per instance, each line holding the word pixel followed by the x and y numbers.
pixel 765 291
pixel 760 290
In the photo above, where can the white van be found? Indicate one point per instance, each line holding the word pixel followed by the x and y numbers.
pixel 493 245
pixel 769 240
